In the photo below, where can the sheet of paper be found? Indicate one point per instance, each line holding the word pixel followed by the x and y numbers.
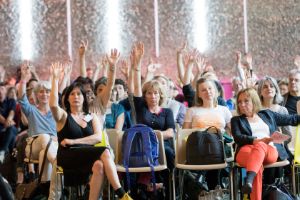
pixel 279 137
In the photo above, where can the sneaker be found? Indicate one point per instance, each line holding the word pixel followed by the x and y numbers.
pixel 126 197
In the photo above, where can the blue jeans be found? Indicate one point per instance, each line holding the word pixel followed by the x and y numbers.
pixel 8 138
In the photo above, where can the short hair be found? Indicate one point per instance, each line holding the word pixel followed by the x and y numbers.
pixel 42 85
pixel 252 93
pixel 197 100
pixel 85 106
pixel 277 98
pixel 283 81
pixel 119 81
pixel 293 72
pixel 155 85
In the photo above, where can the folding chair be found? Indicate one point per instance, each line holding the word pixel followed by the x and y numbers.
pixel 115 138
pixel 296 163
pixel 180 158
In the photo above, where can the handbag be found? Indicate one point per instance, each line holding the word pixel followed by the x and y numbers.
pixel 277 191
pixel 28 190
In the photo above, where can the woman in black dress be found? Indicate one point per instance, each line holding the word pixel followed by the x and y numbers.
pixel 78 128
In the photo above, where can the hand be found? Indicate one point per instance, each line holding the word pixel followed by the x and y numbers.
pixel 238 56
pixel 266 140
pixel 83 47
pixel 297 61
pixel 67 142
pixel 139 52
pixel 113 58
pixel 124 68
pixel 67 68
pixel 200 63
pixel 152 67
pixel 248 58
pixel 183 49
pixel 56 69
pixel 25 72
pixel 9 123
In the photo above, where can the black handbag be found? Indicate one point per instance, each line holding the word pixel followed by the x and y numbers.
pixel 29 190
pixel 277 191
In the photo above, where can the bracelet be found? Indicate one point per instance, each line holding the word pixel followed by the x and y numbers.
pixel 22 81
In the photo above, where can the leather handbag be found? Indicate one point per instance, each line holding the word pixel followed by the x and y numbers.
pixel 28 190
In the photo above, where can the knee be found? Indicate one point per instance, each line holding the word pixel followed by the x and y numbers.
pixel 98 167
pixel 105 155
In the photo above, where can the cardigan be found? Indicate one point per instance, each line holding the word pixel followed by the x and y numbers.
pixel 242 132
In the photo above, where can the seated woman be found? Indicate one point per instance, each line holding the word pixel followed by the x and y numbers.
pixel 41 124
pixel 78 128
pixel 206 113
pixel 251 131
pixel 148 102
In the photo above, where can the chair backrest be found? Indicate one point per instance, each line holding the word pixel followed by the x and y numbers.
pixel 180 155
pixel 116 144
pixel 114 136
pixel 297 146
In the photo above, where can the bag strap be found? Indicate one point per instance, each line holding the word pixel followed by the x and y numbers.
pixel 30 152
pixel 44 160
pixel 130 136
pixel 148 150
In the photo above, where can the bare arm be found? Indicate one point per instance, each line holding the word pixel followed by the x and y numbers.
pixel 67 70
pixel 138 53
pixel 187 125
pixel 120 122
pixel 189 70
pixel 91 140
pixel 25 76
pixel 200 64
pixel 180 62
pixel 112 61
pixel 58 113
pixel 82 50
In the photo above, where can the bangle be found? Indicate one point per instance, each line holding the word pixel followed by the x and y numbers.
pixel 22 81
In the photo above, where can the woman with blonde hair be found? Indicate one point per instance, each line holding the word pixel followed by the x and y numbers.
pixel 252 131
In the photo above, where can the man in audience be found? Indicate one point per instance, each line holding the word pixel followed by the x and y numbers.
pixel 291 98
pixel 8 130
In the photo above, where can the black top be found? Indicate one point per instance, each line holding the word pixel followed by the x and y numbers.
pixel 72 130
pixel 161 121
pixel 291 103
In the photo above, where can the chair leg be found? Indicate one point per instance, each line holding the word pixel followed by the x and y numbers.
pixel 231 177
pixel 181 180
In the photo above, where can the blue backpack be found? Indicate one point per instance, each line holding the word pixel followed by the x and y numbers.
pixel 140 148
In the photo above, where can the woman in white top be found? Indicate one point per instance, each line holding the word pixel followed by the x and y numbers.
pixel 206 113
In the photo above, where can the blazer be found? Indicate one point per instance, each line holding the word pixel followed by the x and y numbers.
pixel 242 132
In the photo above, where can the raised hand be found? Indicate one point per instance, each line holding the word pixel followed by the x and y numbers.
pixel 297 61
pixel 139 52
pixel 113 58
pixel 124 68
pixel 238 56
pixel 200 63
pixel 56 69
pixel 183 49
pixel 25 72
pixel 83 47
pixel 67 68
pixel 152 67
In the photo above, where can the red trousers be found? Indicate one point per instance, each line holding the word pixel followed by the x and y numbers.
pixel 253 158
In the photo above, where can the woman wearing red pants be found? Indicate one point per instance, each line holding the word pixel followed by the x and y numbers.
pixel 252 130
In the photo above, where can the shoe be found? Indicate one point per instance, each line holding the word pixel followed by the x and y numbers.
pixel 31 177
pixel 247 188
pixel 126 197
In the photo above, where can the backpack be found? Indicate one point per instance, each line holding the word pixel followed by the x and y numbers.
pixel 205 147
pixel 140 148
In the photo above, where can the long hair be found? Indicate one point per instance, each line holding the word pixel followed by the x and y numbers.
pixel 277 98
pixel 85 106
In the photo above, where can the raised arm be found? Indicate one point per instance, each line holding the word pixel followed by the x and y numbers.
pixel 200 63
pixel 111 76
pixel 127 72
pixel 239 67
pixel 180 61
pixel 67 70
pixel 58 113
pixel 2 73
pixel 25 76
pixel 98 68
pixel 82 49
pixel 151 69
pixel 189 69
pixel 138 53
